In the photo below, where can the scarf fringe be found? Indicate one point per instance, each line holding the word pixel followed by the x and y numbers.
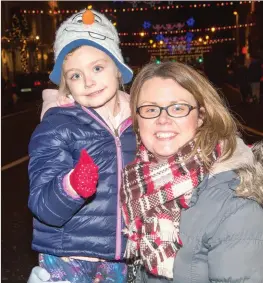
pixel 165 268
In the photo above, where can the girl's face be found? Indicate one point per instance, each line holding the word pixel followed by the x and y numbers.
pixel 92 77
pixel 164 135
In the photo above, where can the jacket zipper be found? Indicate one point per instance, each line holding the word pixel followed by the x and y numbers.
pixel 118 230
pixel 120 165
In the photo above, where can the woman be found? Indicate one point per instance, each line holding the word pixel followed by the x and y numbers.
pixel 192 198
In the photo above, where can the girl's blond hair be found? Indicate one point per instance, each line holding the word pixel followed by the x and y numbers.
pixel 218 124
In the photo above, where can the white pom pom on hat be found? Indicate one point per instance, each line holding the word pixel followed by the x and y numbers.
pixel 88 27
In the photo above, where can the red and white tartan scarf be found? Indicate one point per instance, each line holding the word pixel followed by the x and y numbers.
pixel 152 197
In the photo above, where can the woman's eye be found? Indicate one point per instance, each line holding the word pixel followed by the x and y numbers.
pixel 179 108
pixel 97 69
pixel 151 110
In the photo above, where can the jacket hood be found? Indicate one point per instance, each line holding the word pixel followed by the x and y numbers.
pixel 248 164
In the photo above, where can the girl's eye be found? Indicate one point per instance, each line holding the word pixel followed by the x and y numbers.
pixel 97 69
pixel 75 76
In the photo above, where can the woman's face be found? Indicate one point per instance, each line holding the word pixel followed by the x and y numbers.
pixel 164 135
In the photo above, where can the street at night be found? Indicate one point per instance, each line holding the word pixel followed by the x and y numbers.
pixel 22 83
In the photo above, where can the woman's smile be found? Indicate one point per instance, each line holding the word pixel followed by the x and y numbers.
pixel 165 135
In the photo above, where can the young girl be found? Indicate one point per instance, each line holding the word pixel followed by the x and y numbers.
pixel 77 153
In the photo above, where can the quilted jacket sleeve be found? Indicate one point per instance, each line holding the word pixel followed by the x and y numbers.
pixel 236 253
pixel 50 161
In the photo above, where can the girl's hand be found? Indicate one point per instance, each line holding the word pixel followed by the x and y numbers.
pixel 40 275
pixel 84 178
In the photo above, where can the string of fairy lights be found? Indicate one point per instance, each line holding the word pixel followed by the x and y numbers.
pixel 173 40
pixel 208 29
pixel 194 42
pixel 160 7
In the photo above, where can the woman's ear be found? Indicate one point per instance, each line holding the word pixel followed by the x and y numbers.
pixel 201 116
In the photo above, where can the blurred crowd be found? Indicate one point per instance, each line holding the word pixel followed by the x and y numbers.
pixel 248 78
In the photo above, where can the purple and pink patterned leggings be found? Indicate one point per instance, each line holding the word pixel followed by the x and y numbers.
pixel 81 271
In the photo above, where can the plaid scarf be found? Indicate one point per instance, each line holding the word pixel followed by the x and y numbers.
pixel 152 197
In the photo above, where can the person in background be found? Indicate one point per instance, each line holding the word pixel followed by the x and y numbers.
pixel 192 198
pixel 76 157
pixel 254 74
pixel 242 81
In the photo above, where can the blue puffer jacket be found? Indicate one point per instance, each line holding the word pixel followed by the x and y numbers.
pixel 64 226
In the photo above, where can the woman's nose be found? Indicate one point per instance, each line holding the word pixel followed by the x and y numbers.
pixel 164 117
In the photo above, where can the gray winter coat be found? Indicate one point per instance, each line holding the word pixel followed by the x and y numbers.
pixel 222 234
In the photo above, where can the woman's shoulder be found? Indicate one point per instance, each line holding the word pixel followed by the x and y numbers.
pixel 232 215
pixel 242 172
pixel 216 197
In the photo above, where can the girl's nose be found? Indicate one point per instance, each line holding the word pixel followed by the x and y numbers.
pixel 89 81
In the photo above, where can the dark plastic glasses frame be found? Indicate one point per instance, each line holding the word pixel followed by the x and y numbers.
pixel 190 108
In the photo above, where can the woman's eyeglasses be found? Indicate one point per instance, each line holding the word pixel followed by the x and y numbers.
pixel 177 110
